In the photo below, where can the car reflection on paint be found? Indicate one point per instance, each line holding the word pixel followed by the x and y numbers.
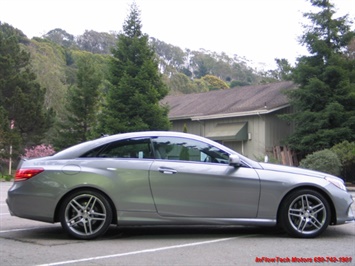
pixel 172 178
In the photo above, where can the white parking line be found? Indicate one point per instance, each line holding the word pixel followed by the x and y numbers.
pixel 23 229
pixel 140 251
pixel 5 213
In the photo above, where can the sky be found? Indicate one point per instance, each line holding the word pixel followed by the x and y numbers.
pixel 258 30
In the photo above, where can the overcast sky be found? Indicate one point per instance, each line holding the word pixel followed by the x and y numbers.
pixel 260 30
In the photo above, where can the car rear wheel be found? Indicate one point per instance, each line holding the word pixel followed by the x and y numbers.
pixel 85 214
pixel 305 213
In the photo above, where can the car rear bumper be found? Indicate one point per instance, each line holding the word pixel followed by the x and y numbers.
pixel 24 204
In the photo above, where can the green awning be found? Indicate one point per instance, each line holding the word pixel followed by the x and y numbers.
pixel 235 131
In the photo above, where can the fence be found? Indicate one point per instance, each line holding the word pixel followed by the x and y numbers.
pixel 284 155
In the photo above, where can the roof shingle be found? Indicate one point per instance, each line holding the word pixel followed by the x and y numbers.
pixel 236 100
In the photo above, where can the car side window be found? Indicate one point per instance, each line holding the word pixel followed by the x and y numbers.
pixel 177 148
pixel 128 148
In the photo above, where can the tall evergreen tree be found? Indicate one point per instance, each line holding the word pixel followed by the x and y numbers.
pixel 20 95
pixel 81 106
pixel 132 102
pixel 325 100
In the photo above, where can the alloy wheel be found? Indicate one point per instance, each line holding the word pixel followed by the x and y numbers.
pixel 86 215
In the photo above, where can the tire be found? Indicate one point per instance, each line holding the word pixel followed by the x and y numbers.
pixel 305 214
pixel 85 214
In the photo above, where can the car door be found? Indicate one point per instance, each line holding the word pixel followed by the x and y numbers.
pixel 126 165
pixel 193 178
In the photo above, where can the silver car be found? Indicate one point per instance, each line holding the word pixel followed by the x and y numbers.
pixel 172 178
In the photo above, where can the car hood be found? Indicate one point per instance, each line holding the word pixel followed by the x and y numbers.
pixel 295 170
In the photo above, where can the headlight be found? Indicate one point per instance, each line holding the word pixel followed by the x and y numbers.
pixel 336 182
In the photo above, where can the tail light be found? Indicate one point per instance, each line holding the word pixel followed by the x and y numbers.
pixel 24 174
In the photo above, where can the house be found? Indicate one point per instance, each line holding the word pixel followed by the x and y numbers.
pixel 245 119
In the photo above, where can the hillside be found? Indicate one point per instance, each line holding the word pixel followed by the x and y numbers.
pixel 54 57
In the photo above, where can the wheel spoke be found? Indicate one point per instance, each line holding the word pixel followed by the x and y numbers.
pixel 90 226
pixel 302 225
pixel 75 220
pixel 318 208
pixel 98 219
pixel 307 202
pixel 296 212
pixel 316 223
pixel 303 201
pixel 92 204
pixel 75 204
pixel 85 228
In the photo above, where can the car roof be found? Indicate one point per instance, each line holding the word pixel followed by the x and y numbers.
pixel 79 149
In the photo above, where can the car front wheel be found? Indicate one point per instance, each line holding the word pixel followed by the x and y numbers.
pixel 85 214
pixel 305 213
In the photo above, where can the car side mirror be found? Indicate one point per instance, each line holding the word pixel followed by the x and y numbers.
pixel 234 160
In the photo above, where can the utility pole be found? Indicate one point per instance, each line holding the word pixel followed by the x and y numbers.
pixel 12 124
pixel 10 160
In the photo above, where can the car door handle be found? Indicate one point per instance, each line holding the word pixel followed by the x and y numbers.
pixel 167 171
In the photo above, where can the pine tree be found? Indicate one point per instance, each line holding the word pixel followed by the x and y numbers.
pixel 81 106
pixel 325 100
pixel 21 96
pixel 132 102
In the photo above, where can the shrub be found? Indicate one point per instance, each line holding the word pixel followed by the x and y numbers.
pixel 324 161
pixel 7 177
pixel 38 151
pixel 346 154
